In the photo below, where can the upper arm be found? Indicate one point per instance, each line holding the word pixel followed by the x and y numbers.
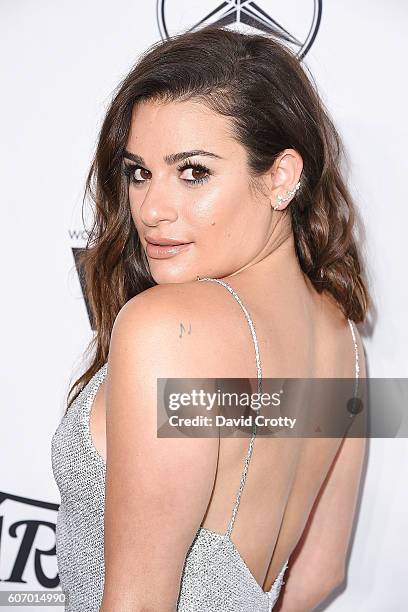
pixel 157 489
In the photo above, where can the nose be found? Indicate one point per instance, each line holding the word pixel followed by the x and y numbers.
pixel 157 206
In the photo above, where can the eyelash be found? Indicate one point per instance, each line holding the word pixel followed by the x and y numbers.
pixel 129 170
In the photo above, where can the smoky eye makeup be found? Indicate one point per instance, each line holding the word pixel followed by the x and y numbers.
pixel 129 170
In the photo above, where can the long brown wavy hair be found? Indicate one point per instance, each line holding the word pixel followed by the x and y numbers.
pixel 272 103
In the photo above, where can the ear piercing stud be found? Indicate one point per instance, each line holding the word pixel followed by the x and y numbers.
pixel 286 197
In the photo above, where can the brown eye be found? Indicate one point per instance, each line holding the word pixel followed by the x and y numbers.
pixel 199 173
pixel 142 175
pixel 130 171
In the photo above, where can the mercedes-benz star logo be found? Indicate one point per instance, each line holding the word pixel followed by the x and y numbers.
pixel 296 22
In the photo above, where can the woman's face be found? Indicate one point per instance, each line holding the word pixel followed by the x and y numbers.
pixel 201 199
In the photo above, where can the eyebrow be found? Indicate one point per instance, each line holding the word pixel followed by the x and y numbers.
pixel 173 157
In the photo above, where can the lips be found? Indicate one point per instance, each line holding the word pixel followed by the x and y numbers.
pixel 164 241
pixel 164 251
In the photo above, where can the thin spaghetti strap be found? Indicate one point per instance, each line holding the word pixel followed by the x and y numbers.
pixel 357 366
pixel 357 369
pixel 259 374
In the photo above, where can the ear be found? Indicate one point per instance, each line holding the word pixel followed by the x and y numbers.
pixel 285 175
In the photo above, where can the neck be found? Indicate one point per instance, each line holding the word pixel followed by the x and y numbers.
pixel 278 259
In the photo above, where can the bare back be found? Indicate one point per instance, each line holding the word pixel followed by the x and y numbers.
pixel 300 334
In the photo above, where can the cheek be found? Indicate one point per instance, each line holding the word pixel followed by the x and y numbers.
pixel 208 220
pixel 216 209
pixel 228 215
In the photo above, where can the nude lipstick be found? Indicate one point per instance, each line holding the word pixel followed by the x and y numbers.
pixel 162 248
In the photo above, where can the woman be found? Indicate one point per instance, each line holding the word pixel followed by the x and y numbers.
pixel 216 142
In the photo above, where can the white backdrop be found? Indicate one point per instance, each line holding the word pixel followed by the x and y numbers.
pixel 60 61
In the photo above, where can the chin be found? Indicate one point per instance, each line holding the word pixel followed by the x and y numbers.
pixel 163 277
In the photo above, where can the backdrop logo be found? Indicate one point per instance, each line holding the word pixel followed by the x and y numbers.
pixel 27 542
pixel 297 22
pixel 76 251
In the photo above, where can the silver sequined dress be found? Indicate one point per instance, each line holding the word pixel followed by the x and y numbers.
pixel 215 577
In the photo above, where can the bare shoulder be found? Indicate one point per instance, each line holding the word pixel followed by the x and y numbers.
pixel 342 332
pixel 155 485
pixel 167 321
pixel 167 299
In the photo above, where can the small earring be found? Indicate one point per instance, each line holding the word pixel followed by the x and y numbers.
pixel 287 197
